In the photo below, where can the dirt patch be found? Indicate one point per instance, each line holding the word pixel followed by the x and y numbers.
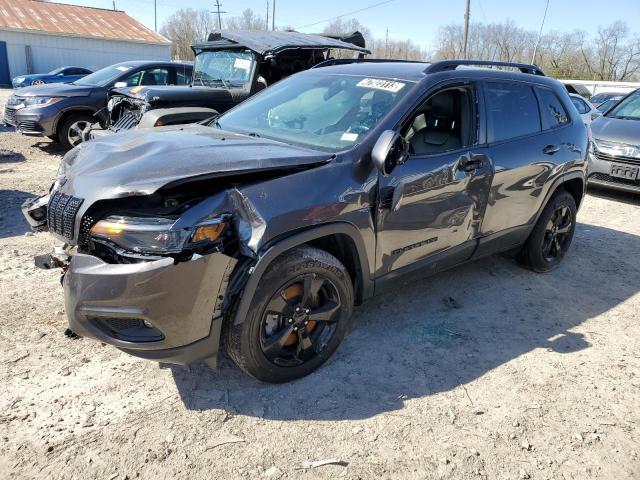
pixel 485 371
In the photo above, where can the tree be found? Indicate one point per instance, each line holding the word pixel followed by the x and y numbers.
pixel 185 27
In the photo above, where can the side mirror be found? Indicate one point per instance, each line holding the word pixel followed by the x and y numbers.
pixel 389 151
pixel 119 84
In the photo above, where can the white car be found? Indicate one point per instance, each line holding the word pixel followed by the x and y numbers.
pixel 587 111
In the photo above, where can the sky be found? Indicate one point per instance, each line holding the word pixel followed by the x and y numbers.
pixel 418 20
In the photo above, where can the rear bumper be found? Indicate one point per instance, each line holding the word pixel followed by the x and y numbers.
pixel 156 310
pixel 599 174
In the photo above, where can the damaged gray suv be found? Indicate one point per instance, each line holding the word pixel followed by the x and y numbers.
pixel 260 230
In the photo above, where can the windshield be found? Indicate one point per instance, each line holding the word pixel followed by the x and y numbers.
pixel 627 108
pixel 332 112
pixel 105 76
pixel 223 67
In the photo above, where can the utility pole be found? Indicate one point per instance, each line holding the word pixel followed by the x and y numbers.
pixel 466 29
pixel 155 15
pixel 218 11
pixel 273 17
pixel 267 24
pixel 386 44
pixel 535 49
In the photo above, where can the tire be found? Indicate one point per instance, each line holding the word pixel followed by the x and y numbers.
pixel 70 133
pixel 552 235
pixel 261 344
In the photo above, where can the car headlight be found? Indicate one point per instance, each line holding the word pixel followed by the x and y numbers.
pixel 40 101
pixel 110 105
pixel 18 79
pixel 156 235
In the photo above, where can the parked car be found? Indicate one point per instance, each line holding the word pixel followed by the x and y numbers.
pixel 229 67
pixel 607 104
pixel 600 98
pixel 65 112
pixel 614 159
pixel 59 75
pixel 265 227
pixel 587 111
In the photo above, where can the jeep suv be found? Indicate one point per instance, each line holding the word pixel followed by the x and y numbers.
pixel 261 230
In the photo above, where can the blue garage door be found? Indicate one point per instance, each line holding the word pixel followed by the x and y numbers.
pixel 4 65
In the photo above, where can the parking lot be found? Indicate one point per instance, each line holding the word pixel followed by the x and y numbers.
pixel 486 371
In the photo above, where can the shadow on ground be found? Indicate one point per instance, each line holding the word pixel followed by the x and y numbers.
pixel 615 195
pixel 50 147
pixel 12 222
pixel 410 343
pixel 9 156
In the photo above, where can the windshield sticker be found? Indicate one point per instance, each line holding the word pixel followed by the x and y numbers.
pixel 242 63
pixel 349 137
pixel 378 84
pixel 123 69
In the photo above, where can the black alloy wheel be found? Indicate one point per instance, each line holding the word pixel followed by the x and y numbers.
pixel 557 234
pixel 297 318
pixel 300 320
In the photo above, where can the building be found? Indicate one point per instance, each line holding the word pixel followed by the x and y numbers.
pixel 36 37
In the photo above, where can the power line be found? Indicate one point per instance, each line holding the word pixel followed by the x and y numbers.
pixel 345 14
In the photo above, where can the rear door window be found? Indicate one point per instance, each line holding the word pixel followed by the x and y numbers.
pixel 512 109
pixel 553 112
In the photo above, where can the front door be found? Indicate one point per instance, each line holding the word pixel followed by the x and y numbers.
pixel 433 203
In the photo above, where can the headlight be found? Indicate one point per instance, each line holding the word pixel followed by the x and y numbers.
pixel 18 79
pixel 616 149
pixel 110 105
pixel 40 101
pixel 155 235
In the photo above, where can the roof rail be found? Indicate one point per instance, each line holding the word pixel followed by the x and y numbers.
pixel 446 65
pixel 345 61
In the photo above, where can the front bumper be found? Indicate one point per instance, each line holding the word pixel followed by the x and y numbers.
pixel 599 174
pixel 156 310
pixel 37 122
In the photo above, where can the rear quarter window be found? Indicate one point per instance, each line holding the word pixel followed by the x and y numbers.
pixel 553 112
pixel 512 110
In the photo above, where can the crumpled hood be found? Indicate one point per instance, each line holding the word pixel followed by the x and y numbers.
pixel 142 161
pixel 56 90
pixel 616 130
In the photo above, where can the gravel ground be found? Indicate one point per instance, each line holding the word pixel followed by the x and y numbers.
pixel 486 371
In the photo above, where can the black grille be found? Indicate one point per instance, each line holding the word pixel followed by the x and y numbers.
pixel 126 121
pixel 62 211
pixel 614 158
pixel 29 126
pixel 128 329
pixel 9 114
pixel 603 177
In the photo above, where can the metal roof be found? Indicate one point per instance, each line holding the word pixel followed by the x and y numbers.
pixel 71 20
pixel 264 42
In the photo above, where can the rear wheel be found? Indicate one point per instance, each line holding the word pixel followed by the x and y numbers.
pixel 73 130
pixel 552 235
pixel 297 319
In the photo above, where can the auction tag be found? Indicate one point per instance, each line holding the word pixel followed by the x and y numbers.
pixel 379 84
pixel 349 137
pixel 242 63
pixel 122 68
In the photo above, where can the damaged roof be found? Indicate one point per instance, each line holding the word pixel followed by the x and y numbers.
pixel 72 20
pixel 264 42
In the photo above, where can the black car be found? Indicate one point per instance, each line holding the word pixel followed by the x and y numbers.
pixel 229 67
pixel 614 160
pixel 262 230
pixel 64 112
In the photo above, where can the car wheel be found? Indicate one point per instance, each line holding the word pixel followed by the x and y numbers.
pixel 37 82
pixel 298 317
pixel 552 235
pixel 73 130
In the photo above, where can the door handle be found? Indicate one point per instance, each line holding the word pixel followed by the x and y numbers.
pixel 469 163
pixel 551 149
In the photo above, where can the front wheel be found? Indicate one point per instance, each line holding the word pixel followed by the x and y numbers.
pixel 74 130
pixel 552 235
pixel 298 317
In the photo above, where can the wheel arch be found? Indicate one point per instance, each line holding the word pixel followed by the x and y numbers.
pixel 340 239
pixel 65 114
pixel 572 182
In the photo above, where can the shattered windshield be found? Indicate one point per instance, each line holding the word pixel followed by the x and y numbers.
pixel 229 68
pixel 332 112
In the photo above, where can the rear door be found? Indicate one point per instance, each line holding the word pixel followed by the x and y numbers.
pixel 433 203
pixel 526 148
